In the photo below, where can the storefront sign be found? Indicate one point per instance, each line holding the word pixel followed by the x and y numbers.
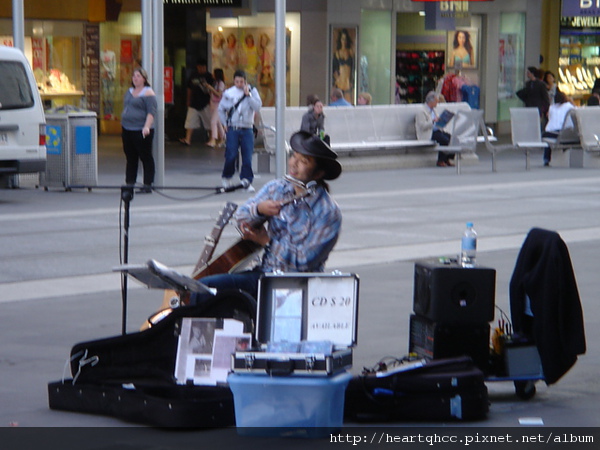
pixel 576 8
pixel 126 51
pixel 441 15
pixel 453 8
pixel 37 56
pixel 434 20
pixel 169 85
pixel 580 22
pixel 92 66
pixel 211 3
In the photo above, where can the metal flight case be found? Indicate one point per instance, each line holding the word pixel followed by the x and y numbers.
pixel 306 325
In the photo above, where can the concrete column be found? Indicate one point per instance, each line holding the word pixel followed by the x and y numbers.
pixel 147 32
pixel 158 68
pixel 18 24
pixel 280 99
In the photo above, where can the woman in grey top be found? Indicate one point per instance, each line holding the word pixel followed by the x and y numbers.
pixel 137 121
pixel 313 121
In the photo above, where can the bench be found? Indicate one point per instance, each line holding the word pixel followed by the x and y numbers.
pixel 379 136
pixel 588 125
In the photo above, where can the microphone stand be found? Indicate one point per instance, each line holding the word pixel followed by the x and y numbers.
pixel 126 197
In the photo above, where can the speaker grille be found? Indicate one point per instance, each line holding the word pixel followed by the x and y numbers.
pixel 449 293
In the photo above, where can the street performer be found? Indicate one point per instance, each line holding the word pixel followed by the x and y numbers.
pixel 301 220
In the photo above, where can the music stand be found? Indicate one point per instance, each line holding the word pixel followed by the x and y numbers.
pixel 158 276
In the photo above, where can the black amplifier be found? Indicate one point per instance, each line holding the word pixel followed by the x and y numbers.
pixel 450 293
pixel 433 340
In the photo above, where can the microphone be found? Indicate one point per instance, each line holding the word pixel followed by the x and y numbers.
pixel 243 185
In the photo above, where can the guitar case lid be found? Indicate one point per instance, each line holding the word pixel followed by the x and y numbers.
pixel 148 357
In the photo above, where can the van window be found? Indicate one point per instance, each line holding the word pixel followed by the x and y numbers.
pixel 15 91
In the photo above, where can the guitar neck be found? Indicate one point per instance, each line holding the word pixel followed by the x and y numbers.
pixel 211 240
pixel 210 243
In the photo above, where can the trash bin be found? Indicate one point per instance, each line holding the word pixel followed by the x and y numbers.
pixel 71 148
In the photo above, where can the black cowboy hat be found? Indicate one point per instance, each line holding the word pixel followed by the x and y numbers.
pixel 311 145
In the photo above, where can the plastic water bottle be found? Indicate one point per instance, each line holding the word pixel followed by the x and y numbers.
pixel 468 248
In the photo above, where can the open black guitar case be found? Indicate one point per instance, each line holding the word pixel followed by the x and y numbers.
pixel 131 377
pixel 446 389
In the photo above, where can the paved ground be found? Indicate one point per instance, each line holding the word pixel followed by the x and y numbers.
pixel 58 249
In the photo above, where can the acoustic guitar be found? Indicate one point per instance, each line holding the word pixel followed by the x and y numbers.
pixel 233 259
pixel 237 256
pixel 173 299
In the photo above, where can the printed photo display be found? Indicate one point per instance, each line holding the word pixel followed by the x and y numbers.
pixel 251 50
pixel 204 349
pixel 462 49
pixel 344 44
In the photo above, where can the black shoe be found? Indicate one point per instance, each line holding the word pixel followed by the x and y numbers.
pixel 146 189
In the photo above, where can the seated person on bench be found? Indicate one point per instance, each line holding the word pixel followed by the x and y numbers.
pixel 302 229
pixel 556 117
pixel 425 124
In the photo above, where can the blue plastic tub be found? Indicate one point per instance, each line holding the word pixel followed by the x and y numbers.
pixel 288 406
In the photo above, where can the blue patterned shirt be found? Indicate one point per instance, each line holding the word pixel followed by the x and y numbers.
pixel 303 234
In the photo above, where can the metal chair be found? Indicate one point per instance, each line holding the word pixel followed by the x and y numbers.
pixel 588 122
pixel 490 147
pixel 464 134
pixel 526 131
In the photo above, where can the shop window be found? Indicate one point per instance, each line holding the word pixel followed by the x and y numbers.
pixel 56 65
pixel 511 62
pixel 420 58
pixel 120 54
pixel 579 60
pixel 375 49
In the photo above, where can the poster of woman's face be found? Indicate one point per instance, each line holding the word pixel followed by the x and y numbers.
pixel 462 49
pixel 343 60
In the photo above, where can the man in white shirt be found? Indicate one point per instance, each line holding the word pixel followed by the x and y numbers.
pixel 236 112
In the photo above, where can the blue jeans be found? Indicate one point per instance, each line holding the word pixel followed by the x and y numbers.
pixel 548 150
pixel 242 138
pixel 246 281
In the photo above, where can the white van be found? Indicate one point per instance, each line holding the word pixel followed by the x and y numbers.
pixel 22 120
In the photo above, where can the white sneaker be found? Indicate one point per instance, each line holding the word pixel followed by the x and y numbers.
pixel 246 182
pixel 226 182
